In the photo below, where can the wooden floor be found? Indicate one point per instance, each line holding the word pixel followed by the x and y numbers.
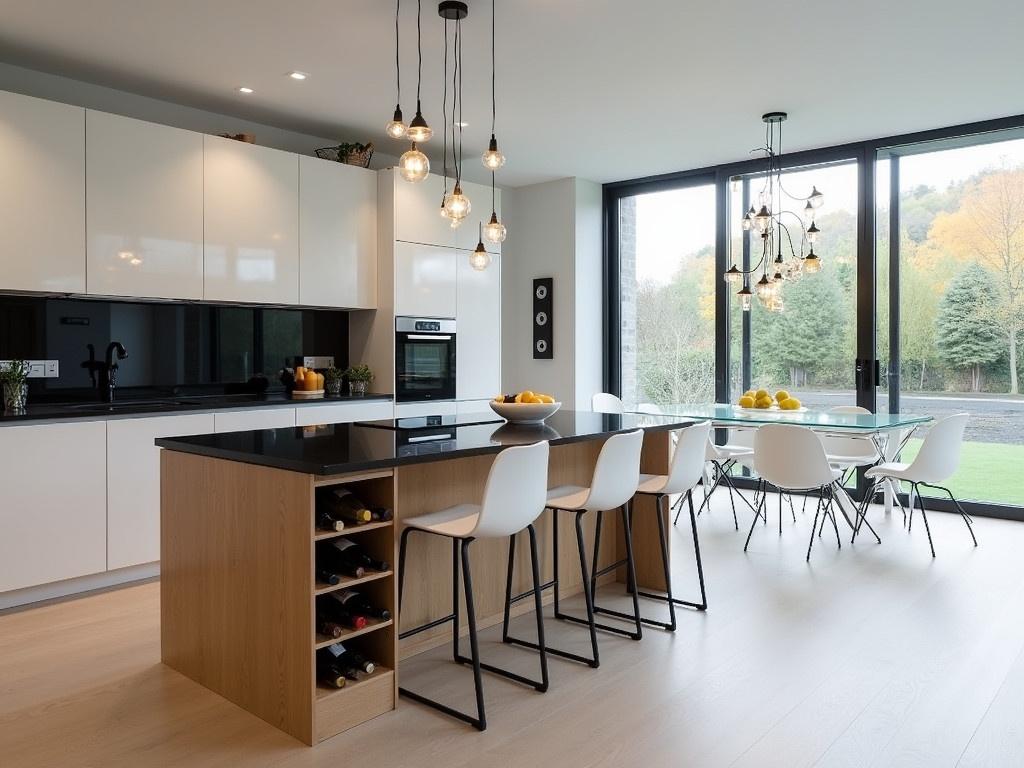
pixel 872 656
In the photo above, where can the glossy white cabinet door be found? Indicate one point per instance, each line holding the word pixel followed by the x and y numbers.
pixel 42 197
pixel 464 407
pixel 337 235
pixel 478 330
pixel 53 517
pixel 468 235
pixel 251 211
pixel 440 408
pixel 418 211
pixel 133 483
pixel 145 215
pixel 343 413
pixel 425 278
pixel 260 418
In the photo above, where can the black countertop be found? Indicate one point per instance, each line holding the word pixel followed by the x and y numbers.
pixel 334 449
pixel 166 406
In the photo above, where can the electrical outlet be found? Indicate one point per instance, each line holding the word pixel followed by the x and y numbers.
pixel 38 369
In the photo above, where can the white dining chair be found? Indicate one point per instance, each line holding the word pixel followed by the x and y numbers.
pixel 937 460
pixel 792 458
pixel 612 486
pixel 605 402
pixel 515 495
pixel 720 461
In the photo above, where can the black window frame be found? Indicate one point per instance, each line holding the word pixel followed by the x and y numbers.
pixel 866 154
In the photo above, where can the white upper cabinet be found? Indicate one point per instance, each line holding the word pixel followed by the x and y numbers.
pixel 251 210
pixel 425 278
pixel 478 330
pixel 468 235
pixel 337 235
pixel 417 210
pixel 42 198
pixel 145 215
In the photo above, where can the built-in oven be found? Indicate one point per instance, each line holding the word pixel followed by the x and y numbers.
pixel 424 359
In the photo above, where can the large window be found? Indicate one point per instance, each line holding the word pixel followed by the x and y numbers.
pixel 958 288
pixel 919 307
pixel 667 280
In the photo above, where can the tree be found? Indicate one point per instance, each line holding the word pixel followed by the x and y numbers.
pixel 989 228
pixel 966 338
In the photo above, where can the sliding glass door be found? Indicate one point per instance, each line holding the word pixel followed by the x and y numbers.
pixel 952 285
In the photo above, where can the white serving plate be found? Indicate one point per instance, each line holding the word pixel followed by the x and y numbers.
pixel 524 413
pixel 772 409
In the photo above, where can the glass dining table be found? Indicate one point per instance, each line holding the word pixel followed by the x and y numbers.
pixel 889 431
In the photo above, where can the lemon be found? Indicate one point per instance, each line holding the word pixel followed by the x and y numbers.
pixel 746 402
pixel 546 398
pixel 761 393
pixel 763 402
pixel 781 395
pixel 750 393
pixel 791 404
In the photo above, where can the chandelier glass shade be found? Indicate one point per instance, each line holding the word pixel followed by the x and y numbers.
pixel 779 230
pixel 414 165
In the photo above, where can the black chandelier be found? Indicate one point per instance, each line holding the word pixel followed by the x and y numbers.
pixel 776 225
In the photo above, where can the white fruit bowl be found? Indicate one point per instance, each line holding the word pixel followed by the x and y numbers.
pixel 524 413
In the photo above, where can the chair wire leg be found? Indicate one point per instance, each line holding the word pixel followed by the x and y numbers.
pixel 924 516
pixel 814 528
pixel 753 523
pixel 966 518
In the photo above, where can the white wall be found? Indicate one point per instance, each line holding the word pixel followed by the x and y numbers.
pixel 554 231
pixel 81 94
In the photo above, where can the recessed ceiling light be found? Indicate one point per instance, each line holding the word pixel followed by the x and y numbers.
pixel 297 75
pixel 244 89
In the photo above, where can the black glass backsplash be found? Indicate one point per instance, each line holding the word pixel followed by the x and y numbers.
pixel 173 349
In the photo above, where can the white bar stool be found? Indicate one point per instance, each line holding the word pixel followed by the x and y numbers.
pixel 514 496
pixel 683 475
pixel 614 483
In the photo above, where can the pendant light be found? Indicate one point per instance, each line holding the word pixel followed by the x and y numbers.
pixel 457 205
pixel 480 259
pixel 494 230
pixel 492 158
pixel 414 165
pixel 396 126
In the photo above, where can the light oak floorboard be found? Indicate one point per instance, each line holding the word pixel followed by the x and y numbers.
pixel 868 656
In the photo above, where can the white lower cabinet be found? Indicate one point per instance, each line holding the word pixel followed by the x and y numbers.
pixel 260 418
pixel 343 413
pixel 426 408
pixel 53 518
pixel 133 489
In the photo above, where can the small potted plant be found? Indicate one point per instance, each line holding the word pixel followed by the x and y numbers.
pixel 13 378
pixel 358 377
pixel 332 381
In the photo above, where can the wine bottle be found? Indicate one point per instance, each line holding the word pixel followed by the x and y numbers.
pixel 326 625
pixel 382 514
pixel 327 522
pixel 356 603
pixel 331 562
pixel 338 612
pixel 341 503
pixel 327 576
pixel 346 658
pixel 353 555
pixel 328 673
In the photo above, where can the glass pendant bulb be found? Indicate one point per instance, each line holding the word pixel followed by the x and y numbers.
pixel 745 222
pixel 816 199
pixel 414 165
pixel 457 205
pixel 418 130
pixel 492 158
pixel 809 212
pixel 764 289
pixel 456 223
pixel 745 297
pixel 733 275
pixel 763 219
pixel 479 259
pixel 494 230
pixel 812 264
pixel 812 233
pixel 396 127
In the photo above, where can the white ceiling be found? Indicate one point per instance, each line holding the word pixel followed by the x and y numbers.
pixel 591 88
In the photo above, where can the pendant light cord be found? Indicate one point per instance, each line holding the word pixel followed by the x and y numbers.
pixel 458 44
pixel 419 52
pixel 398 63
pixel 494 100
pixel 444 114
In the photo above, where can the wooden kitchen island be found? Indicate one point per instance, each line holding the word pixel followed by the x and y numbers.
pixel 238 549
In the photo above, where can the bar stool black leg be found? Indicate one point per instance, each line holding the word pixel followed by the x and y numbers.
pixel 597 548
pixel 588 596
pixel 456 606
pixel 403 545
pixel 474 647
pixel 539 609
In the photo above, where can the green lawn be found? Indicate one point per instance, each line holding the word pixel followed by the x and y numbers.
pixel 988 472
